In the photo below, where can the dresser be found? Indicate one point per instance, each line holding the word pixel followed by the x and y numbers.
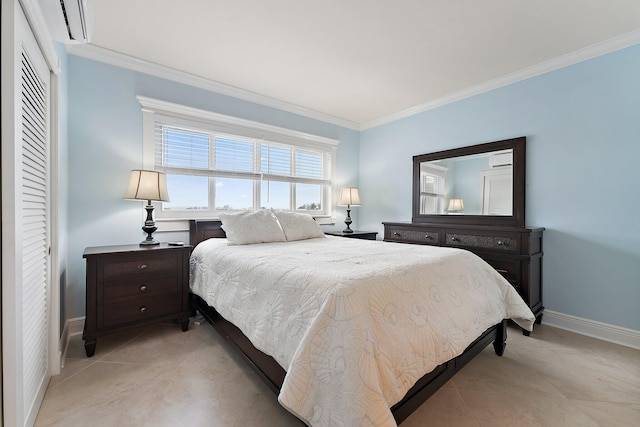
pixel 515 252
pixel 132 285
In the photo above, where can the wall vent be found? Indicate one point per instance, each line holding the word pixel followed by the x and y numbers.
pixel 74 13
pixel 502 159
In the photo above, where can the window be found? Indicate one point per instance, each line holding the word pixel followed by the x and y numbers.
pixel 432 180
pixel 217 163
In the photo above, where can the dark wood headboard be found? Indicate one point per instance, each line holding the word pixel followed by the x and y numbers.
pixel 200 230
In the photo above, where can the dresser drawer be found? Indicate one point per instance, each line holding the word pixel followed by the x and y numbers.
pixel 509 269
pixel 137 310
pixel 503 242
pixel 117 268
pixel 412 235
pixel 148 284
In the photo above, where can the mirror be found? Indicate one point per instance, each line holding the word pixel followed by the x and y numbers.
pixel 480 184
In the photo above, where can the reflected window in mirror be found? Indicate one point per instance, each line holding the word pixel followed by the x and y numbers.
pixel 483 183
pixel 432 180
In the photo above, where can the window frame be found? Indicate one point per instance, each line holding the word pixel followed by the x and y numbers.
pixel 197 120
pixel 440 174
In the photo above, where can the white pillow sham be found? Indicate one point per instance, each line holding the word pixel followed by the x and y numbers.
pixel 297 226
pixel 246 228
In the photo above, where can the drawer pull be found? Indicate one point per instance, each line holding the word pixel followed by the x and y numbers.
pixel 143 288
pixel 500 243
pixel 143 309
pixel 142 266
pixel 502 271
pixel 454 239
pixel 428 237
pixel 395 233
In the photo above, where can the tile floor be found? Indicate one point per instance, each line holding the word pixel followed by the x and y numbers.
pixel 160 376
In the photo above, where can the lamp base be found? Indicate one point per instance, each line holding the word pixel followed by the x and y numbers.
pixel 149 227
pixel 348 221
pixel 147 242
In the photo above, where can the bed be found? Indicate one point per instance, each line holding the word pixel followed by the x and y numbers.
pixel 387 383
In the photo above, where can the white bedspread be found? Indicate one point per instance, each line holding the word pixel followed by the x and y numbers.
pixel 355 323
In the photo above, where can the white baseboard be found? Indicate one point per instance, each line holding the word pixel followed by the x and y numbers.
pixel 72 327
pixel 603 331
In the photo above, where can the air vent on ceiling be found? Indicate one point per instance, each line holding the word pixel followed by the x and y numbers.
pixel 74 12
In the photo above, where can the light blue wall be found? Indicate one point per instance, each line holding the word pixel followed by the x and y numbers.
pixel 105 143
pixel 582 125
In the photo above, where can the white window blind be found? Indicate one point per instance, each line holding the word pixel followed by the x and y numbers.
pixel 182 149
pixel 219 163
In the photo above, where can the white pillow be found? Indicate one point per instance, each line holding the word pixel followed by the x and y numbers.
pixel 297 226
pixel 245 228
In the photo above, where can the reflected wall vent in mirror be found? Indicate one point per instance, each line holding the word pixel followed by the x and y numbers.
pixel 501 159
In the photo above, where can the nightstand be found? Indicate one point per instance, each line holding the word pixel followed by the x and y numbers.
pixel 131 285
pixel 357 234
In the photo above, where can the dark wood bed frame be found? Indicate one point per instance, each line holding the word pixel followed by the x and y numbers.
pixel 273 374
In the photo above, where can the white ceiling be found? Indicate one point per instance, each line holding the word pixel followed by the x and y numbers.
pixel 357 60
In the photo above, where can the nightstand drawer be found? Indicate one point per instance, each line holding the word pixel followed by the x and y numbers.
pixel 142 285
pixel 138 309
pixel 503 242
pixel 151 264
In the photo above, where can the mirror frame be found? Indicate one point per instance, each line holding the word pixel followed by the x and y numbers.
pixel 518 145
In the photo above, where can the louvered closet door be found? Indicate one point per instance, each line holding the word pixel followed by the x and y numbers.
pixel 25 226
pixel 35 226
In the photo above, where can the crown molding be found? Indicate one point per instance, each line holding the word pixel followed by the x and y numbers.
pixel 617 43
pixel 107 56
pixel 117 59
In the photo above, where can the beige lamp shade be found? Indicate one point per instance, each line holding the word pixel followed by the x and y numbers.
pixel 456 205
pixel 349 197
pixel 147 185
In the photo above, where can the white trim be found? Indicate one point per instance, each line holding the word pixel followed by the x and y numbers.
pixel 72 327
pixel 38 25
pixel 157 106
pixel 166 225
pixel 580 55
pixel 603 331
pixel 107 56
pixel 54 239
pixel 121 60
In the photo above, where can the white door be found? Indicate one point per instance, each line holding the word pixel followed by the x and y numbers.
pixel 25 221
pixel 497 191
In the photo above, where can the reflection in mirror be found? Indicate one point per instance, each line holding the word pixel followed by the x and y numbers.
pixel 477 184
pixel 481 184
